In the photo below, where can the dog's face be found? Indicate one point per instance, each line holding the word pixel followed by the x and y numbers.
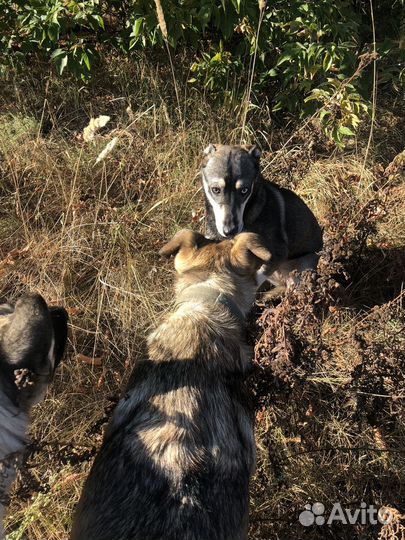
pixel 32 343
pixel 237 259
pixel 229 174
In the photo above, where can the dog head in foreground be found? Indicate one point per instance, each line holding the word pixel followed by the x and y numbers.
pixel 229 267
pixel 32 343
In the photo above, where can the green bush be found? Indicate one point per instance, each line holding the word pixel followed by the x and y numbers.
pixel 305 52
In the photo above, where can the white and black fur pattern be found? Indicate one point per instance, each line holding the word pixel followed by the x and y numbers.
pixel 13 440
pixel 239 199
pixel 32 342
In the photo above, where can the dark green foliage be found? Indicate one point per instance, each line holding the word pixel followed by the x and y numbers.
pixel 306 52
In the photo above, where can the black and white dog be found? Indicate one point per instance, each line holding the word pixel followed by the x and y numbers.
pixel 32 342
pixel 239 199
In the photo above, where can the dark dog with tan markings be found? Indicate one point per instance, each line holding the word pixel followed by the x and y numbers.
pixel 32 342
pixel 179 452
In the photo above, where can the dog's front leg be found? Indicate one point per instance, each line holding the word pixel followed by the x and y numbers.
pixel 264 273
pixel 279 252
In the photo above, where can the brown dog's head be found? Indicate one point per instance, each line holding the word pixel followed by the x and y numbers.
pixel 231 264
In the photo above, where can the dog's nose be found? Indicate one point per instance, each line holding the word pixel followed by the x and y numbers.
pixel 230 231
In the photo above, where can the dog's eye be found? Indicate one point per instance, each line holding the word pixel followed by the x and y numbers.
pixel 244 190
pixel 216 190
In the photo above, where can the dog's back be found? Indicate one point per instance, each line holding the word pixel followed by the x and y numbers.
pixel 175 462
pixel 302 228
pixel 179 452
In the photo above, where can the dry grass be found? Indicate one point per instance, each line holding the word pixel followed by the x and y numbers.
pixel 86 235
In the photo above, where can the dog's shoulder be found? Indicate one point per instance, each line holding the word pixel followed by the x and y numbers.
pixel 266 206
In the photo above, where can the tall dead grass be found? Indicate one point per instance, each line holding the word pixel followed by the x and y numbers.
pixel 86 235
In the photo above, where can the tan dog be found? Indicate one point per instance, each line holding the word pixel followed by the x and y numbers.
pixel 179 451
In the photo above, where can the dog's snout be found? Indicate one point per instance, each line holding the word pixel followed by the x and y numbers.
pixel 229 223
pixel 230 230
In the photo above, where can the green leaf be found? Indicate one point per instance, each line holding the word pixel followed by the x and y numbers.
pixel 323 113
pixel 86 60
pixel 55 18
pixel 344 130
pixel 236 5
pixel 53 32
pixel 327 62
pixel 132 43
pixel 137 27
pixel 283 58
pixel 99 20
pixel 62 63
pixel 56 53
pixel 43 36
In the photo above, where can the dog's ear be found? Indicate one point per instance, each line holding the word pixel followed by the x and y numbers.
pixel 59 318
pixel 254 151
pixel 211 148
pixel 182 240
pixel 249 252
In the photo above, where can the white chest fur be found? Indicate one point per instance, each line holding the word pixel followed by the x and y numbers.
pixel 13 430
